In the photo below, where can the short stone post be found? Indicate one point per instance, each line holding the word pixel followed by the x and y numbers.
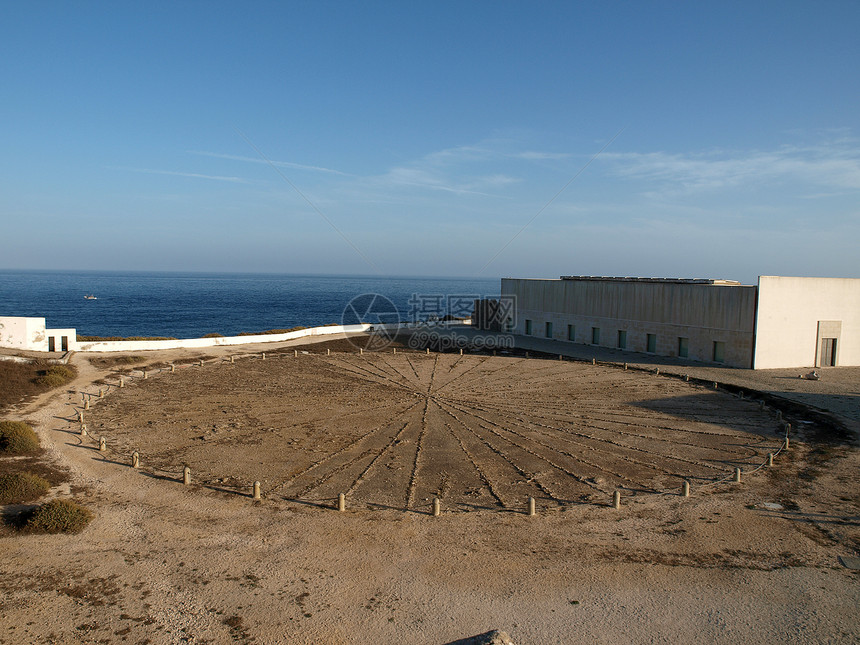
pixel 437 507
pixel 361 351
pixel 256 494
pixel 341 502
pixel 102 444
pixel 328 352
pixel 295 353
pixel 461 351
pixel 427 350
pixel 172 369
pixel 395 350
pixel 186 476
pixel 686 377
pixel 101 393
pixel 715 385
pixel 769 459
pixel 737 478
pixel 201 362
pixel 263 356
pixel 685 489
pixel 527 354
pixel 625 367
pixel 616 499
pixel 531 509
pixel 87 404
pixel 560 357
pixel 657 371
pixel 593 361
pixel 786 442
pixel 232 359
pixel 135 459
pixel 121 382
pixel 83 430
pixel 144 375
pixel 81 416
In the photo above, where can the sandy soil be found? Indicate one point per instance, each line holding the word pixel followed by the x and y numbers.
pixel 168 563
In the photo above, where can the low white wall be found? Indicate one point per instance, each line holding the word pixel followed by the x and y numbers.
pixel 193 343
pixel 789 310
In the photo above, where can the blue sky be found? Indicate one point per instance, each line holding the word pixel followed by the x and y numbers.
pixel 443 138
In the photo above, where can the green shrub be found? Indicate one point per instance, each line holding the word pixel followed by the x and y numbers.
pixel 58 516
pixel 16 437
pixel 17 488
pixel 56 375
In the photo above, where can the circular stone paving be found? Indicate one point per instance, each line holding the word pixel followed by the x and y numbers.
pixel 396 430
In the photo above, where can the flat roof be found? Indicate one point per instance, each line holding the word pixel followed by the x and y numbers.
pixel 638 279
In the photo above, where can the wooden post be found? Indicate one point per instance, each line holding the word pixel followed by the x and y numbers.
pixel 341 502
pixel 295 353
pixel 264 356
pixel 686 377
pixel 616 499
pixel 144 375
pixel 461 351
pixel 657 371
pixel 715 385
pixel 737 474
pixel 593 361
pixel 328 352
pixel 770 459
pixel 361 351
pixel 685 489
pixel 395 350
pixel 186 476
pixel 172 369
pixel 83 430
pixel 625 367
pixel 102 444
pixel 786 443
pixel 101 393
pixel 532 510
pixel 135 459
pixel 121 382
pixel 428 351
pixel 437 507
pixel 87 404
pixel 256 494
pixel 81 416
pixel 232 359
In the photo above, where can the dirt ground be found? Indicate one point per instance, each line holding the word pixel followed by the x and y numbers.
pixel 754 561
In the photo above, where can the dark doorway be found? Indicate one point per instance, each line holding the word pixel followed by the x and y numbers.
pixel 64 343
pixel 51 346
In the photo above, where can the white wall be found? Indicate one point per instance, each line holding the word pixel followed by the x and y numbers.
pixel 788 313
pixel 17 332
pixel 57 335
pixel 142 345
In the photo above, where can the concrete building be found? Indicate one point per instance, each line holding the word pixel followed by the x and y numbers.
pixel 781 322
pixel 31 334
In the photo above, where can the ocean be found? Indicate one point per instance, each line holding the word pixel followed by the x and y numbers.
pixel 189 305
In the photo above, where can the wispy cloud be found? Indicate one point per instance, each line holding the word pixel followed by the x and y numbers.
pixel 282 164
pixel 832 165
pixel 195 175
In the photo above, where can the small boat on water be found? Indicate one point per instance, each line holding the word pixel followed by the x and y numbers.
pixel 90 297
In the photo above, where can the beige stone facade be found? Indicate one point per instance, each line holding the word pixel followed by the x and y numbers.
pixel 714 321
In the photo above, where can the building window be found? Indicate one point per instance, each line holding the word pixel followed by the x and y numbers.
pixel 549 330
pixel 595 335
pixel 622 339
pixel 571 332
pixel 719 351
pixel 651 343
pixel 683 347
pixel 528 327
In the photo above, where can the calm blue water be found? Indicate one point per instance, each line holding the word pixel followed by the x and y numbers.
pixel 188 305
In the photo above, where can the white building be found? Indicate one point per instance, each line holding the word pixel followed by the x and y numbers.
pixel 781 322
pixel 31 334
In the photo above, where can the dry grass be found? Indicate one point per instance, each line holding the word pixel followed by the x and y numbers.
pixel 21 381
pixel 111 361
pixel 97 339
